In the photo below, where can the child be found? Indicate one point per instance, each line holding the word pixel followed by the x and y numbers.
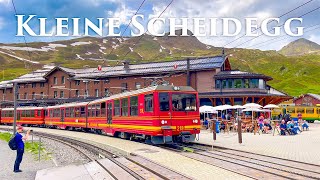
pixel 305 125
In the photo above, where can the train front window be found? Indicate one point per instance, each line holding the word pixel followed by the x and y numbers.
pixel 184 102
pixel 164 101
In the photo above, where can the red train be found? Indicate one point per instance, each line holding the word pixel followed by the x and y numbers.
pixel 158 114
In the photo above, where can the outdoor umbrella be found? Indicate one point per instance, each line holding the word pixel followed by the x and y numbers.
pixel 252 105
pixel 237 107
pixel 271 107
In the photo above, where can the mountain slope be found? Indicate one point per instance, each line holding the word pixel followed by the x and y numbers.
pixel 300 47
pixel 294 75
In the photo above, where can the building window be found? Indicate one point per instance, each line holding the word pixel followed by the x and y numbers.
pixel 124 87
pixel 55 80
pixel 86 93
pixel 62 80
pixel 42 84
pixel 148 103
pixel 230 83
pixel 246 83
pixel 106 92
pixel 77 93
pixel 262 84
pixel 138 85
pixel 34 85
pixel 42 95
pixel 96 82
pixel 77 82
pixel 106 80
pixel 224 84
pixel 97 92
pixel 254 83
pixel 25 96
pixel 61 94
pixel 33 95
pixel 238 83
pixel 218 84
pixel 55 94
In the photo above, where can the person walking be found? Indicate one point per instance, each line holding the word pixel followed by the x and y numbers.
pixel 20 144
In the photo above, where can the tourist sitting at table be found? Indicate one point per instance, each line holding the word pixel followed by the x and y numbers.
pixel 296 126
pixel 267 127
pixel 205 123
pixel 290 127
pixel 305 125
pixel 283 128
pixel 222 127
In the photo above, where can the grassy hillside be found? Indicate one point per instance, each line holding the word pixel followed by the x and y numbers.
pixel 294 75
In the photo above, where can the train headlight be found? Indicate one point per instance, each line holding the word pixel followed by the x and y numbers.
pixel 176 88
pixel 195 121
pixel 162 122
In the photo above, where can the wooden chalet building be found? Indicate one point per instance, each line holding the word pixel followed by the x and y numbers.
pixel 212 77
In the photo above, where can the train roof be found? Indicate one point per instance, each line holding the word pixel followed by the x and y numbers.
pixel 144 90
pixel 70 104
pixel 23 108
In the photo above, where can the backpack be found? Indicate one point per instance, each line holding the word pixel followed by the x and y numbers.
pixel 13 144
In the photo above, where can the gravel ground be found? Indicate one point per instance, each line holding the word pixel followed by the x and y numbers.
pixel 30 165
pixel 62 154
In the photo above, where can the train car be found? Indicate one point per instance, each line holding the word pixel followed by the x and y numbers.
pixel 30 116
pixel 159 114
pixel 309 113
pixel 67 116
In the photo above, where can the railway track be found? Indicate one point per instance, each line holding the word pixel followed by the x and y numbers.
pixel 252 165
pixel 116 167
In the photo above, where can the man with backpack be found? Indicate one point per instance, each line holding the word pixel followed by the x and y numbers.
pixel 20 147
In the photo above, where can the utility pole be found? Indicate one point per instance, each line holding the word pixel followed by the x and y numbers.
pixel 15 93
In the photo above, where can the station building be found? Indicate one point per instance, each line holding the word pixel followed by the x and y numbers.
pixel 212 77
pixel 308 99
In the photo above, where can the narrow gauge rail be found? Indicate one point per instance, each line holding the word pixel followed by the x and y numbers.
pixel 252 165
pixel 118 167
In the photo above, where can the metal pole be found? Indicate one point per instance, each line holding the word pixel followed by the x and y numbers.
pixel 15 90
pixel 239 130
pixel 214 129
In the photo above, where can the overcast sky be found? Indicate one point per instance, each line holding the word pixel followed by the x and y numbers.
pixel 125 9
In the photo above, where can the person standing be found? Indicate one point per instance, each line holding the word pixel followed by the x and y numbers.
pixel 19 141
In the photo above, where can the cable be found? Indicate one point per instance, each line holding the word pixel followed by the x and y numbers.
pixel 279 26
pixel 138 39
pixel 147 29
pixel 24 37
pixel 278 37
pixel 121 34
pixel 270 22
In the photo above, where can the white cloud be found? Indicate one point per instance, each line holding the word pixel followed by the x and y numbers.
pixel 123 12
pixel 235 9
pixel 315 38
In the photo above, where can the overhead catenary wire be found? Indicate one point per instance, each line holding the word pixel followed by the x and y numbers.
pixel 138 39
pixel 277 38
pixel 24 38
pixel 122 33
pixel 279 26
pixel 270 21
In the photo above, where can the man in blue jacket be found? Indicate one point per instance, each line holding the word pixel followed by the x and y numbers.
pixel 19 141
pixel 283 127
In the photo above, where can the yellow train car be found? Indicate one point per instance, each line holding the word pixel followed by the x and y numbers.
pixel 309 113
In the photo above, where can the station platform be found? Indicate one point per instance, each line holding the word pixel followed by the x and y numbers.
pixel 301 147
pixel 172 160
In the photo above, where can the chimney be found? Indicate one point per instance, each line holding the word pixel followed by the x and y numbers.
pixel 126 64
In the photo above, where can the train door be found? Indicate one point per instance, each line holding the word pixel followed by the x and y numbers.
pixel 62 114
pixel 109 113
pixel 18 115
pixel 165 112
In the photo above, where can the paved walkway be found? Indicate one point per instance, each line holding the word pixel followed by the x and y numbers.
pixel 189 167
pixel 302 147
pixel 29 165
